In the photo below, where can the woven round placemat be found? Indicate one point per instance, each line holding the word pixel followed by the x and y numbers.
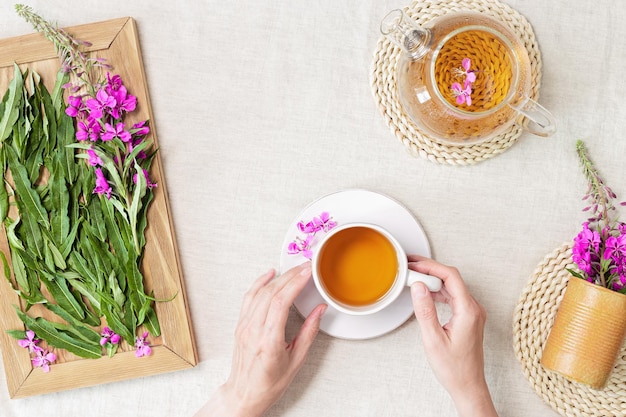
pixel 383 83
pixel 532 322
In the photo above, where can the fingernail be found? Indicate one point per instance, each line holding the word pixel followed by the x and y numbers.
pixel 419 289
pixel 306 269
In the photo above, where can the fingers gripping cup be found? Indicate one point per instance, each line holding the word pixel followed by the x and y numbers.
pixel 361 268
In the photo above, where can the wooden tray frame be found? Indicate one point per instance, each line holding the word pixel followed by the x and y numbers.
pixel 118 42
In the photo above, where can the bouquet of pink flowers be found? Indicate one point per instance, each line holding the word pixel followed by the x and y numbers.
pixel 599 249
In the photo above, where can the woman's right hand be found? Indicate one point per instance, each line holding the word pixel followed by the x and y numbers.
pixel 455 349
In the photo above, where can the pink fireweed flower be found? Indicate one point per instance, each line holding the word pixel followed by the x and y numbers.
pixel 94 159
pixel 585 250
pixel 102 103
pixel 75 106
pixel 113 83
pixel 118 131
pixel 140 129
pixel 109 336
pixel 469 75
pixel 462 94
pixel 142 348
pixel 302 246
pixel 618 273
pixel 615 247
pixel 124 102
pixel 324 222
pixel 43 359
pixel 308 227
pixel 147 177
pixel 102 185
pixel 88 129
pixel 30 342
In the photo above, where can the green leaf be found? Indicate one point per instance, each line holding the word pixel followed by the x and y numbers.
pixel 93 259
pixel 111 349
pixel 19 271
pixel 130 319
pixel 89 293
pixel 57 257
pixel 96 220
pixel 11 102
pixel 7 268
pixel 80 329
pixel 135 206
pixel 113 230
pixel 28 197
pixel 4 202
pixel 118 294
pixel 31 235
pixel 46 331
pixel 4 194
pixel 66 135
pixel 57 285
pixel 117 325
pixel 152 323
pixel 574 273
pixel 10 227
pixel 29 261
pixel 68 243
pixel 143 220
pixel 135 285
pixel 80 265
pixel 18 334
pixel 130 159
pixel 120 208
pixel 57 93
pixel 48 115
pixel 60 201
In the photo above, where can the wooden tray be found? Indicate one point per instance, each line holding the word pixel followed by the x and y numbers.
pixel 117 41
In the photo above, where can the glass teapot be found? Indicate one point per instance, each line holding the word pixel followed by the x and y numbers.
pixel 464 78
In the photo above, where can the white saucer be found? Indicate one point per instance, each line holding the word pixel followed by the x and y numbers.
pixel 368 207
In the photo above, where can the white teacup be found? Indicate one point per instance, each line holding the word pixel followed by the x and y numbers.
pixel 360 268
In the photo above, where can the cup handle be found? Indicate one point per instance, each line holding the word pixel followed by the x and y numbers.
pixel 434 284
pixel 539 121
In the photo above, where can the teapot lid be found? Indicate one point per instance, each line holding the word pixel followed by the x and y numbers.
pixel 403 32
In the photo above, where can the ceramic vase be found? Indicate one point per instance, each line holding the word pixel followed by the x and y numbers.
pixel 587 333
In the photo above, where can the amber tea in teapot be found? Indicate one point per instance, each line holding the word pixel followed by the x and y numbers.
pixel 464 79
pixel 490 85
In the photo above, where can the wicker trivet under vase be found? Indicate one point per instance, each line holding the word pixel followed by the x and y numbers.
pixel 383 83
pixel 532 322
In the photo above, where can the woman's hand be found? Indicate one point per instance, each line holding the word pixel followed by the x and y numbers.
pixel 264 364
pixel 454 350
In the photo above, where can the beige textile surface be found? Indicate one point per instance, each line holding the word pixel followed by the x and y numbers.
pixel 262 107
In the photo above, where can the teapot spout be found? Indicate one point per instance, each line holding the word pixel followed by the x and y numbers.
pixel 405 33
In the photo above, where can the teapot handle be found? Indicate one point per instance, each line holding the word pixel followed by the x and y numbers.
pixel 539 121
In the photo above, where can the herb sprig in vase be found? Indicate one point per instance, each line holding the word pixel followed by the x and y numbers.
pixel 590 324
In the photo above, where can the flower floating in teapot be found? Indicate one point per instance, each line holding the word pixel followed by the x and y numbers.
pixel 463 93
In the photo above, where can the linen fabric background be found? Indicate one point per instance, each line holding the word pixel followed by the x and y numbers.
pixel 262 107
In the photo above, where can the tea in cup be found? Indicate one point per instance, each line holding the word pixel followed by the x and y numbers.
pixel 360 268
